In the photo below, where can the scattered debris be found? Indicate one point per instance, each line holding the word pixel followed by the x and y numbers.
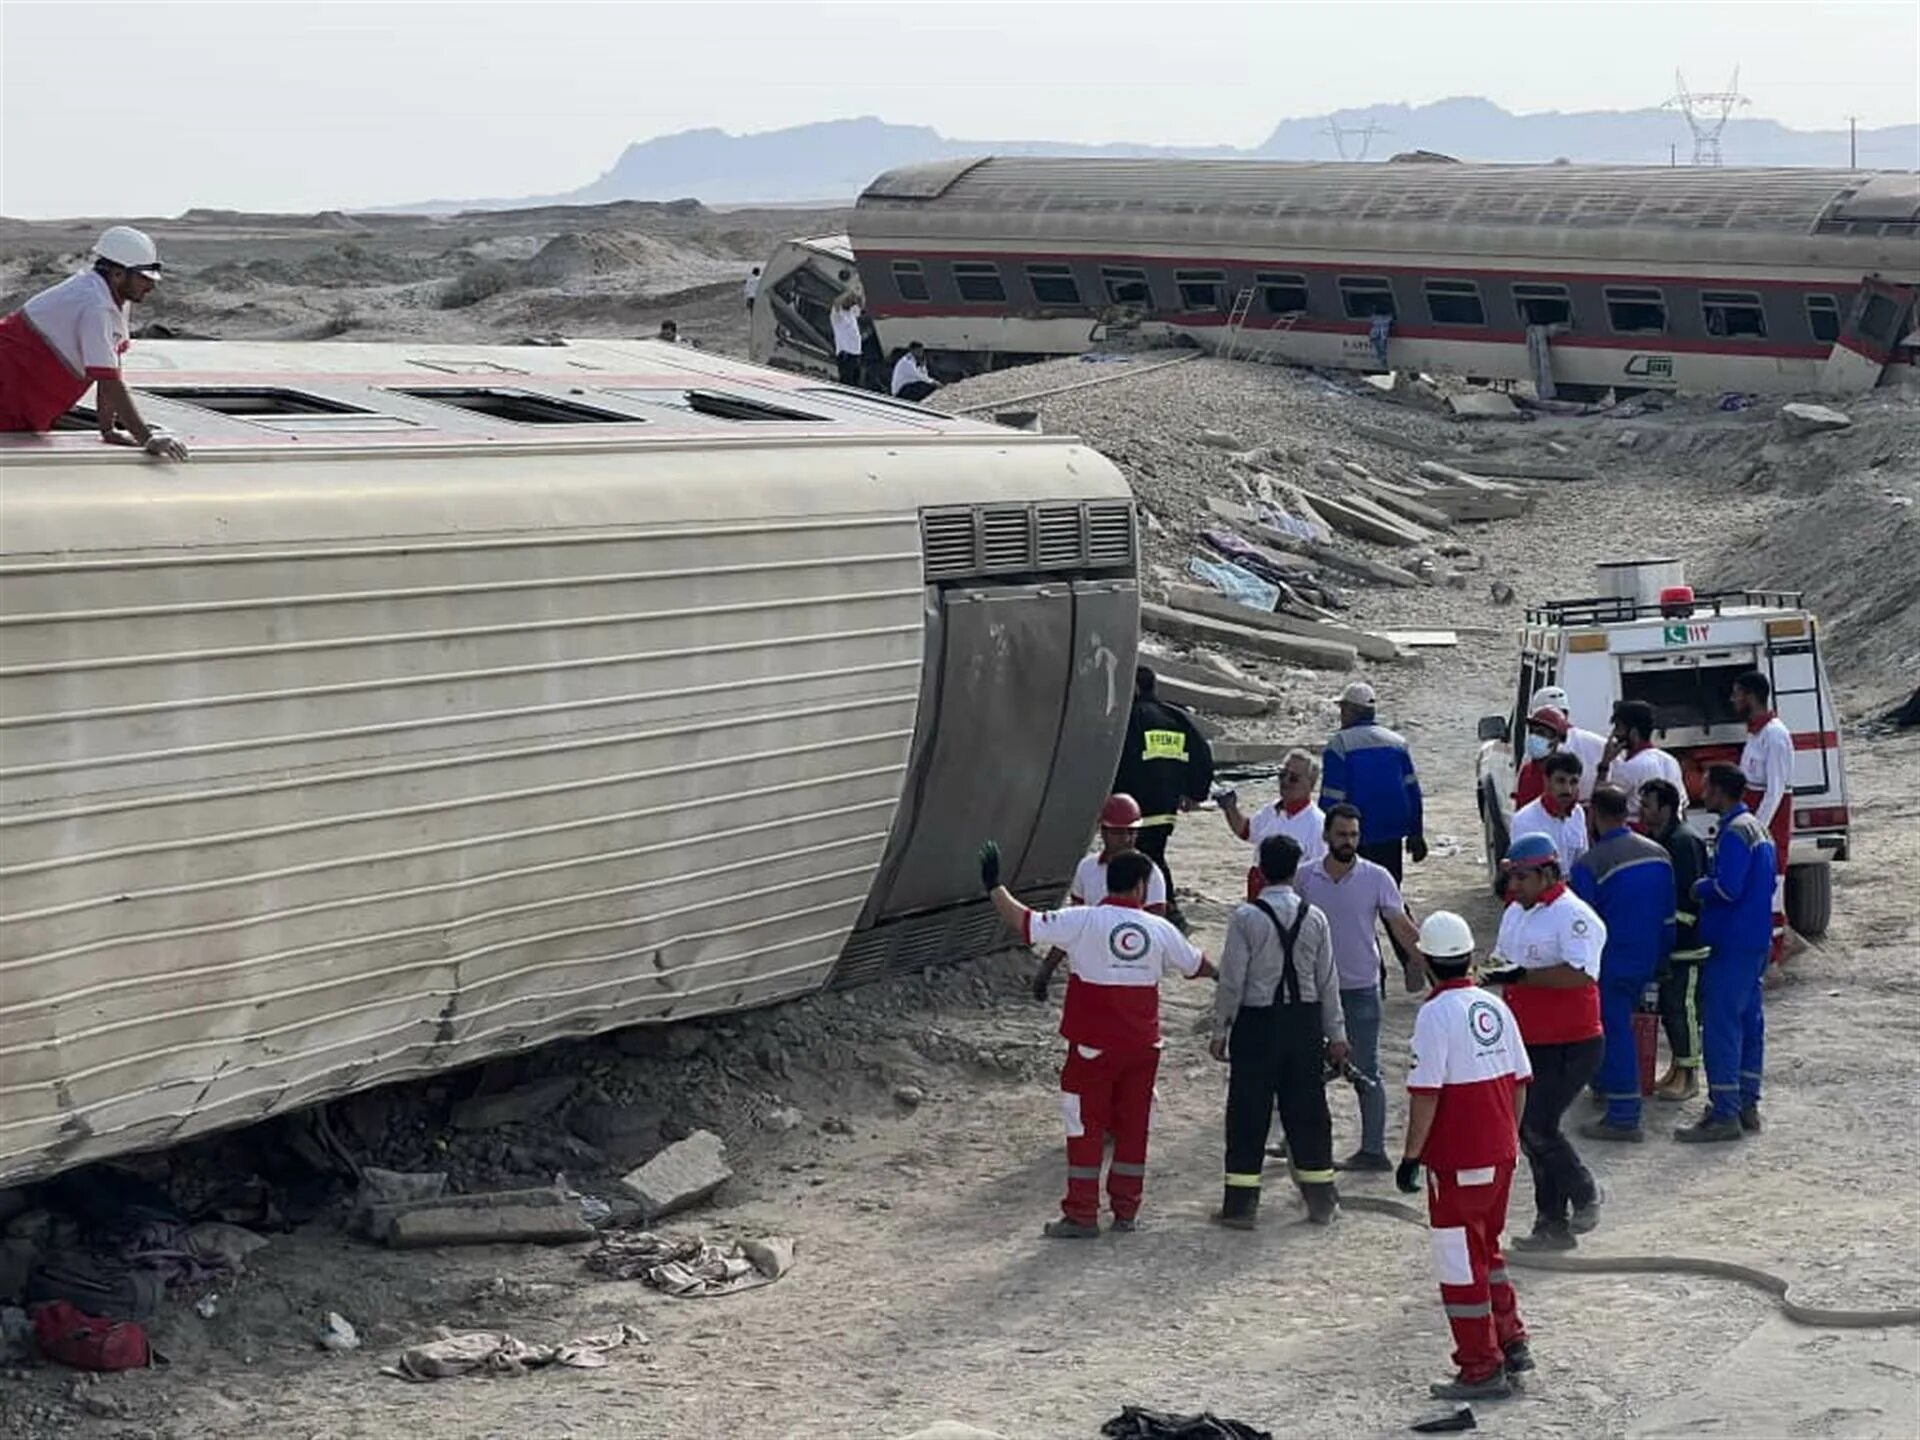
pixel 693 1266
pixel 1236 581
pixel 542 1216
pixel 390 1187
pixel 1485 405
pixel 518 1106
pixel 336 1334
pixel 1136 1423
pixel 1801 418
pixel 1500 593
pixel 1215 699
pixel 1321 654
pixel 1201 602
pixel 68 1335
pixel 1424 639
pixel 909 1097
pixel 1220 440
pixel 494 1352
pixel 683 1174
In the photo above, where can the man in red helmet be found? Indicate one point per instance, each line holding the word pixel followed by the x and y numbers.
pixel 1119 828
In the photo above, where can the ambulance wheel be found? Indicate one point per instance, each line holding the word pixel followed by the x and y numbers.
pixel 1810 898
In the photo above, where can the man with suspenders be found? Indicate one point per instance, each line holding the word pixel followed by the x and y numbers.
pixel 1277 1021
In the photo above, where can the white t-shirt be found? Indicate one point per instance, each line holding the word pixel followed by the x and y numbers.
pixel 750 287
pixel 82 322
pixel 1308 829
pixel 846 331
pixel 1569 835
pixel 907 370
pixel 1090 884
pixel 1589 747
pixel 1767 762
pixel 1630 772
pixel 1565 931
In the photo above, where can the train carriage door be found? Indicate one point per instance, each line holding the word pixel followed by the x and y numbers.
pixel 1878 321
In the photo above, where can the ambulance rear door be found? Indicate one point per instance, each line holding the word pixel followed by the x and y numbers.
pixel 1805 706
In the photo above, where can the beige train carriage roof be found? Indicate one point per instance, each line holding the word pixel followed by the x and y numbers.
pixel 302 397
pixel 1692 199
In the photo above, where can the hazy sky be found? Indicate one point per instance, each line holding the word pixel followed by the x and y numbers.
pixel 149 108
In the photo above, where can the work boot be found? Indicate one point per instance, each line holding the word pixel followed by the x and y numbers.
pixel 1239 1208
pixel 1679 1083
pixel 1707 1129
pixel 1518 1356
pixel 1605 1130
pixel 1547 1235
pixel 1586 1218
pixel 1065 1229
pixel 1495 1387
pixel 1323 1202
pixel 1124 1224
pixel 1365 1160
pixel 1750 1119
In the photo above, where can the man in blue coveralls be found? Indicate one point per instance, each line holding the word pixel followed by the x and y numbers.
pixel 1736 922
pixel 1628 880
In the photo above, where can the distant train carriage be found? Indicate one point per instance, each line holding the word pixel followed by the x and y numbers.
pixel 455 699
pixel 1592 278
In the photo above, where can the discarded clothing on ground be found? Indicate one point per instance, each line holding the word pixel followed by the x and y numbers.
pixel 494 1352
pixel 1134 1423
pixel 693 1266
pixel 89 1342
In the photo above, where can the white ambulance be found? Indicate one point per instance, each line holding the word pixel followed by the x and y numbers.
pixel 1681 656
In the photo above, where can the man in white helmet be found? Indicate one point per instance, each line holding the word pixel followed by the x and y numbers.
pixel 71 336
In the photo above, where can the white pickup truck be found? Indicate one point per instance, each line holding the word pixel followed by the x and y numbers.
pixel 1681 657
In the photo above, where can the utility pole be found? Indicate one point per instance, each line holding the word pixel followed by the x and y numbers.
pixel 1673 155
pixel 1853 142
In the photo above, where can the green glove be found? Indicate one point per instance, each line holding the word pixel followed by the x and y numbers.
pixel 989 865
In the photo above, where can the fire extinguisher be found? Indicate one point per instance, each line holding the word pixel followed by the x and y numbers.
pixel 1646 1035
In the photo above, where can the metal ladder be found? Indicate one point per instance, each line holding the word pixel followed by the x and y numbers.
pixel 1236 324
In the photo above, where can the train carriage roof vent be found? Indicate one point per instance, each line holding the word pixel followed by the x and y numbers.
pixel 1110 533
pixel 947 539
pixel 1060 542
pixel 1007 539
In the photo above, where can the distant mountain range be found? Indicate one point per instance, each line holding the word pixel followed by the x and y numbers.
pixel 835 159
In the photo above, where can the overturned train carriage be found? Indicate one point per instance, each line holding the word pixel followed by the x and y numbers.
pixel 453 701
pixel 1589 277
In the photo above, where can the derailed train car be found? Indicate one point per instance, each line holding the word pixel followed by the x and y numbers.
pixel 455 700
pixel 1591 278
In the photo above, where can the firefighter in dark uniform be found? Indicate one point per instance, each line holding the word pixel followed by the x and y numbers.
pixel 1277 1021
pixel 1167 766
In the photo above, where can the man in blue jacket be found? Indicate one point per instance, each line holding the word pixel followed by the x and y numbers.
pixel 1736 923
pixel 1368 766
pixel 1628 880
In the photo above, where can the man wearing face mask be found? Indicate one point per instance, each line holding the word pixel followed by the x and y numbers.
pixel 1547 729
pixel 1584 743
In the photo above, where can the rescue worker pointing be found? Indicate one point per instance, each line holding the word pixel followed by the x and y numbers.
pixel 1116 954
pixel 1467 1084
pixel 71 336
pixel 1165 764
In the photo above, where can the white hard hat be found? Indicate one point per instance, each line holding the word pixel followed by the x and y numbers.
pixel 124 245
pixel 1551 695
pixel 1359 695
pixel 1445 936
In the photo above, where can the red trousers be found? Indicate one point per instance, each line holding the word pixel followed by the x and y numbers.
pixel 1109 1094
pixel 1466 1211
pixel 1782 833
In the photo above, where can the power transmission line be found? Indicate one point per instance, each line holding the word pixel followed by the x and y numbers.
pixel 1364 133
pixel 1706 114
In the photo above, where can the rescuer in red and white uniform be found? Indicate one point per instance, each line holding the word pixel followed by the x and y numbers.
pixel 1767 762
pixel 1119 826
pixel 1466 1090
pixel 1116 954
pixel 70 338
pixel 1631 758
pixel 1292 814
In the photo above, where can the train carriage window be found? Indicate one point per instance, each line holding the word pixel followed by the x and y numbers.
pixel 1365 296
pixel 1543 304
pixel 1125 285
pixel 254 400
pixel 1632 311
pixel 521 407
pixel 1823 318
pixel 979 281
pixel 1053 285
pixel 910 280
pixel 717 404
pixel 1455 302
pixel 1733 313
pixel 1283 294
pixel 1200 289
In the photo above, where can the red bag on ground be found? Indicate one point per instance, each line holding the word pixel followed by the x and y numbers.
pixel 71 1336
